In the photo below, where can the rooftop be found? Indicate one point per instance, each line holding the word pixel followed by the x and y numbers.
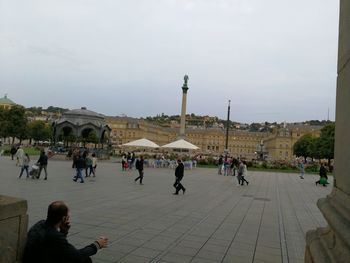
pixel 5 100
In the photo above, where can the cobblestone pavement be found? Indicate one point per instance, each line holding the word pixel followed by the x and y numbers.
pixel 214 221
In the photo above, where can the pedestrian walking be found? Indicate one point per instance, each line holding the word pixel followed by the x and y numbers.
pixel 240 173
pixel 42 162
pixel 323 176
pixel 302 169
pixel 139 167
pixel 128 158
pixel 132 160
pixel 13 151
pixel 19 156
pixel 179 174
pixel 88 166
pixel 75 157
pixel 244 175
pixel 124 163
pixel 94 165
pixel 25 165
pixel 79 166
pixel 234 165
pixel 226 166
pixel 220 163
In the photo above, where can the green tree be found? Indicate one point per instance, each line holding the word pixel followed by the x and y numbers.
pixel 314 148
pixel 326 143
pixel 254 127
pixel 67 135
pixel 16 123
pixel 3 123
pixel 92 137
pixel 39 131
pixel 88 136
pixel 302 147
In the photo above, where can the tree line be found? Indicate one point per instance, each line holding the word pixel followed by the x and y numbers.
pixel 14 124
pixel 317 147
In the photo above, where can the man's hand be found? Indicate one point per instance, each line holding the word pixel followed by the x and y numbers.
pixel 65 225
pixel 102 242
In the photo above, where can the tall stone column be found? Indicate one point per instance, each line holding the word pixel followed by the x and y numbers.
pixel 332 244
pixel 183 108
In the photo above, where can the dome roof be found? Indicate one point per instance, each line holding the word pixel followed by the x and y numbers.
pixel 6 100
pixel 83 112
pixel 81 117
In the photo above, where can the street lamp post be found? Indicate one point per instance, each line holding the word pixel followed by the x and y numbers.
pixel 227 127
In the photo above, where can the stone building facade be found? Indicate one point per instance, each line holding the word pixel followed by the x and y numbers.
pixel 244 144
pixel 280 142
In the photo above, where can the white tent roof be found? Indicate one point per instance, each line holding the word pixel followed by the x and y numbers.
pixel 181 144
pixel 142 143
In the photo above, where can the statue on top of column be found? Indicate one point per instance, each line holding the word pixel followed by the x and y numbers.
pixel 186 80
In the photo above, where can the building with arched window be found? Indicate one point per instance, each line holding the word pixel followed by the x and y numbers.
pixel 81 124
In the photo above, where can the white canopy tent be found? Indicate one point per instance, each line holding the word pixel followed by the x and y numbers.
pixel 142 143
pixel 181 144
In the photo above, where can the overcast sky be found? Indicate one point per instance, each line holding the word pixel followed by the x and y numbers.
pixel 275 59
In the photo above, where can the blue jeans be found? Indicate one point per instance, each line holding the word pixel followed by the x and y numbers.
pixel 24 167
pixel 78 175
pixel 226 169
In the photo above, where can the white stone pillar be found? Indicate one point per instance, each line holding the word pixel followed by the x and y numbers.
pixel 332 244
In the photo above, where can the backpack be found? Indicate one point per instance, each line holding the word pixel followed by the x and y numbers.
pixel 137 165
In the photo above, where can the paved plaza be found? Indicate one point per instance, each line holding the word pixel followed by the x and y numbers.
pixel 215 221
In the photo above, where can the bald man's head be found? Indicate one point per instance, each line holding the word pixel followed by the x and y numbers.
pixel 56 211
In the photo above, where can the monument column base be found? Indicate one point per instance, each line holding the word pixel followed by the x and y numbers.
pixel 332 243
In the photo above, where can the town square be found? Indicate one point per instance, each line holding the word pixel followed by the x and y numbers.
pixel 174 131
pixel 214 221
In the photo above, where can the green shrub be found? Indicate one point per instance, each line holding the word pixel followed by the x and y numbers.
pixel 312 168
pixel 203 162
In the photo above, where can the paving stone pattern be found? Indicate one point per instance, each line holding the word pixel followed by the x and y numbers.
pixel 215 221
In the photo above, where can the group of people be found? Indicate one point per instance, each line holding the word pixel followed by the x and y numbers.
pixel 23 161
pixel 128 161
pixel 83 161
pixel 322 173
pixel 227 165
pixel 231 166
pixel 179 174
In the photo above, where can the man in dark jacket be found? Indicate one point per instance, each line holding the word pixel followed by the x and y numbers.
pixel 79 166
pixel 13 151
pixel 42 164
pixel 179 174
pixel 47 242
pixel 139 167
